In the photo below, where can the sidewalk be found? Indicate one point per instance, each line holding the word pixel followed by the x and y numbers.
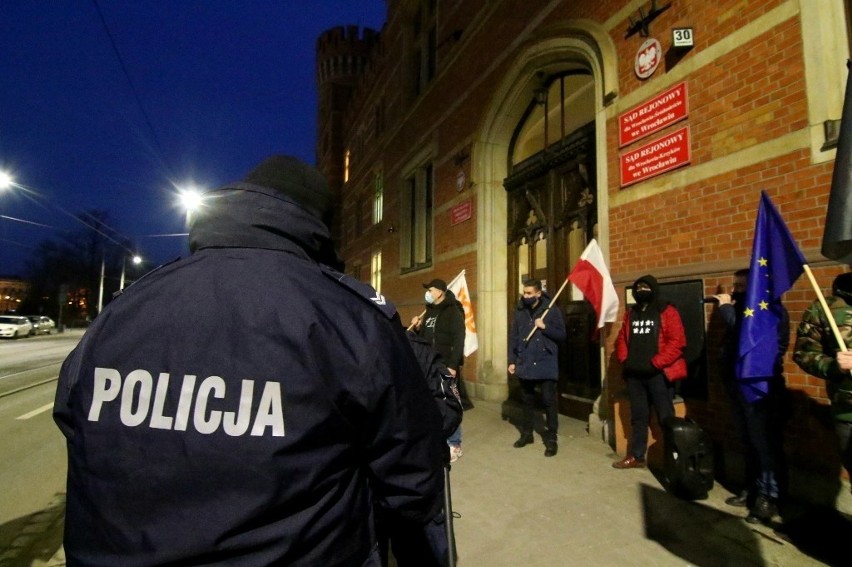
pixel 519 508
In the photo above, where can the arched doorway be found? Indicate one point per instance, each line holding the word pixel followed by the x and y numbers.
pixel 556 52
pixel 552 215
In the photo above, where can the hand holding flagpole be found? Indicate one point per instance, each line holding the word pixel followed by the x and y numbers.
pixel 546 311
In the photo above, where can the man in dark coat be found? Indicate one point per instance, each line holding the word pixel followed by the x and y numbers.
pixel 759 424
pixel 442 326
pixel 536 361
pixel 248 404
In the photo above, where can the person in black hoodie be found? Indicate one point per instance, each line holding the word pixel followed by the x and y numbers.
pixel 248 404
pixel 536 361
pixel 649 346
pixel 442 325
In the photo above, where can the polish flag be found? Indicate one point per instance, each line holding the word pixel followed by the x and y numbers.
pixel 591 277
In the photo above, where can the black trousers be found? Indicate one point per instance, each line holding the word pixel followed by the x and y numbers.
pixel 643 392
pixel 548 400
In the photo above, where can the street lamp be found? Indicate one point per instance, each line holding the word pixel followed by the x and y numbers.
pixel 191 199
pixel 136 259
pixel 6 180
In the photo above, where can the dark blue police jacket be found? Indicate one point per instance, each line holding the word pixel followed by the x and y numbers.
pixel 245 405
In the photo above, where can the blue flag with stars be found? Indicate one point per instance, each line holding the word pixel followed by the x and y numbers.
pixel 776 263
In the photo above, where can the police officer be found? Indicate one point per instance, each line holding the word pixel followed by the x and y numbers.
pixel 230 408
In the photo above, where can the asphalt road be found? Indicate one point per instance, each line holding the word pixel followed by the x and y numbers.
pixel 32 450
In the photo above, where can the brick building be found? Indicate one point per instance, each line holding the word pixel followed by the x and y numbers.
pixel 13 290
pixel 500 137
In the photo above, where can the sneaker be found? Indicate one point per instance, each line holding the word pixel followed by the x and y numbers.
pixel 550 450
pixel 455 453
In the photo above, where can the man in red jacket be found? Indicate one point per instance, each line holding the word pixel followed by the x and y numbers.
pixel 650 348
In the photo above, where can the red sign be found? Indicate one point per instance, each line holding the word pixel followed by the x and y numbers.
pixel 653 115
pixel 461 212
pixel 652 159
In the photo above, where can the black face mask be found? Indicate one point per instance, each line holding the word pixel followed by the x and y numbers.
pixel 844 294
pixel 643 295
pixel 529 301
pixel 738 297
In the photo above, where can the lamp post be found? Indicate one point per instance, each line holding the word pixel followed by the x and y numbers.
pixel 136 259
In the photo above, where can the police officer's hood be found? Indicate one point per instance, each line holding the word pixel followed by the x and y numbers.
pixel 283 204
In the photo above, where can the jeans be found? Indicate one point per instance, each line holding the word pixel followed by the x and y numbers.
pixel 643 392
pixel 548 399
pixel 760 425
pixel 456 437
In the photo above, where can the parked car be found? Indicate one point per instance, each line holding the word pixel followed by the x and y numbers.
pixel 41 325
pixel 14 326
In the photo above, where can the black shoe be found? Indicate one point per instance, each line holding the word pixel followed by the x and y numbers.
pixel 762 511
pixel 523 441
pixel 550 450
pixel 740 500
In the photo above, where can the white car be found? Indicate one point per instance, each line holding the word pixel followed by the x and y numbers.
pixel 14 326
pixel 41 325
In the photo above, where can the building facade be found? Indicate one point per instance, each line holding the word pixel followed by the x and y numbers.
pixel 500 137
pixel 13 290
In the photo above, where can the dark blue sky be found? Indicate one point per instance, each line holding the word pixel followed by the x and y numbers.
pixel 220 84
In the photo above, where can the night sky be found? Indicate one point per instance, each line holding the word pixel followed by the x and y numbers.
pixel 214 86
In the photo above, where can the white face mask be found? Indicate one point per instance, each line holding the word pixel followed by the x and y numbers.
pixel 428 297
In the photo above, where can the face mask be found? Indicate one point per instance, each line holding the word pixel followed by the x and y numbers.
pixel 529 301
pixel 643 295
pixel 428 297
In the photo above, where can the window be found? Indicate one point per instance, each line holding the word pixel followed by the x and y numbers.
pixel 378 198
pixel 346 165
pixel 424 45
pixel 416 221
pixel 567 103
pixel 376 271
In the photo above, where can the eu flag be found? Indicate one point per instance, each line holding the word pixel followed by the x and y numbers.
pixel 776 263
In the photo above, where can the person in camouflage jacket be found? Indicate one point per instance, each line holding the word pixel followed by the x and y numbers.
pixel 818 354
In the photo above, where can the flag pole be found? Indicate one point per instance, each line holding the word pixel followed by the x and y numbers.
pixel 546 311
pixel 825 309
pixel 411 326
pixel 449 285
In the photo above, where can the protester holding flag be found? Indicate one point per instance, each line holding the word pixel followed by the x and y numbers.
pixel 442 325
pixel 650 348
pixel 819 354
pixel 759 424
pixel 537 328
pixel 776 263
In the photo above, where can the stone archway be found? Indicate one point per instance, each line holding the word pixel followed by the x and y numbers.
pixel 578 41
